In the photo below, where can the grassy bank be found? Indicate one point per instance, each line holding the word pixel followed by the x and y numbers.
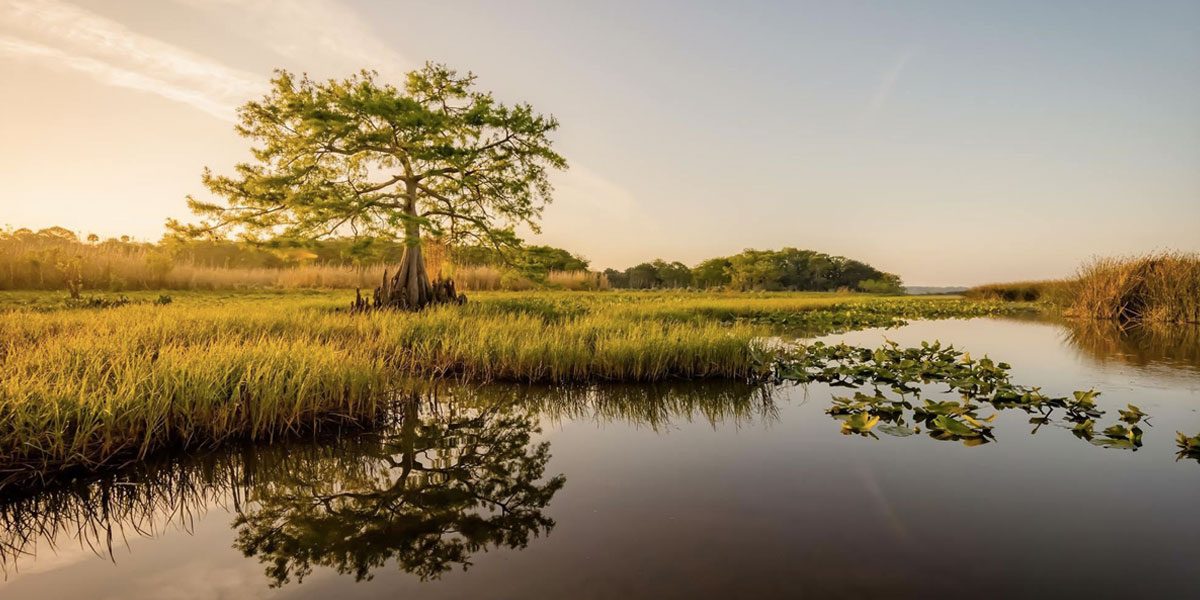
pixel 87 387
pixel 1155 288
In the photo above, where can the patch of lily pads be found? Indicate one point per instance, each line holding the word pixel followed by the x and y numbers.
pixel 896 406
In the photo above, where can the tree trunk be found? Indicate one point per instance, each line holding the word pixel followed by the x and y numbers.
pixel 410 288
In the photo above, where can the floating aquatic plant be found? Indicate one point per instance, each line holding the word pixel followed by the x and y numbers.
pixel 979 382
pixel 1189 447
pixel 860 423
pixel 1082 406
pixel 1121 437
pixel 1085 430
pixel 1132 415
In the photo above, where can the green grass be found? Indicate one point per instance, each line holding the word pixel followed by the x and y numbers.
pixel 87 387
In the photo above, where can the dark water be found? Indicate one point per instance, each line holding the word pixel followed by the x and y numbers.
pixel 683 491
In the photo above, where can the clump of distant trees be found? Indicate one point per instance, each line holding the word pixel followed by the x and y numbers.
pixel 787 269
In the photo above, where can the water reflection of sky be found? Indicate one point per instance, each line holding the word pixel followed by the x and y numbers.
pixel 707 491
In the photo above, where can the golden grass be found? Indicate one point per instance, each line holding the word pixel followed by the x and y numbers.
pixel 87 387
pixel 1054 291
pixel 577 280
pixel 1156 288
pixel 46 264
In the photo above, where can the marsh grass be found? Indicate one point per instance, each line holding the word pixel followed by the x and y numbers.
pixel 1054 291
pixel 49 263
pixel 93 387
pixel 1156 288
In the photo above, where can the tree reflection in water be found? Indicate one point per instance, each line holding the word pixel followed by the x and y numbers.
pixel 428 495
pixel 439 484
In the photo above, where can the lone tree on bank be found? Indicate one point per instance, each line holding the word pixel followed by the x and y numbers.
pixel 364 158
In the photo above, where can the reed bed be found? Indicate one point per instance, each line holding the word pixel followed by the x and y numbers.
pixel 1157 288
pixel 1055 291
pixel 47 263
pixel 1163 287
pixel 86 387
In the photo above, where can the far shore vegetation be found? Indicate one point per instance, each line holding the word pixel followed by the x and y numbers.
pixel 58 259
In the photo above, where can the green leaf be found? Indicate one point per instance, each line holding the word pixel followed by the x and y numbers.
pixel 954 427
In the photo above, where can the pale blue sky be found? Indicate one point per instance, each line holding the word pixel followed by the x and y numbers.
pixel 950 142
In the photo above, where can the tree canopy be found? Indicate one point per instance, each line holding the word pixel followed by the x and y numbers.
pixel 786 269
pixel 365 157
pixel 362 157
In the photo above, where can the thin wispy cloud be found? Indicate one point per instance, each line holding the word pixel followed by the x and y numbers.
pixel 113 75
pixel 66 36
pixel 887 84
pixel 318 36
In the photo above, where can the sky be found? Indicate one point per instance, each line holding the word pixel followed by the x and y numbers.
pixel 952 142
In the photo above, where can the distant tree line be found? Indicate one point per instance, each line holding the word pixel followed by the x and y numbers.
pixel 786 269
pixel 235 254
pixel 217 253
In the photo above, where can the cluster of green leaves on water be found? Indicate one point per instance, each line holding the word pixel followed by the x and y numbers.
pixel 1126 435
pixel 1189 447
pixel 893 313
pixel 979 383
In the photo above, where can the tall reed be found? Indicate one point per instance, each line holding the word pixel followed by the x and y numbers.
pixel 1156 288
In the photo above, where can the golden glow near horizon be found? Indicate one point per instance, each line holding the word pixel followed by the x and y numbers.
pixel 952 146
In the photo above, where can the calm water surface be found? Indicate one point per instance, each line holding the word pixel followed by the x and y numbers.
pixel 683 491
